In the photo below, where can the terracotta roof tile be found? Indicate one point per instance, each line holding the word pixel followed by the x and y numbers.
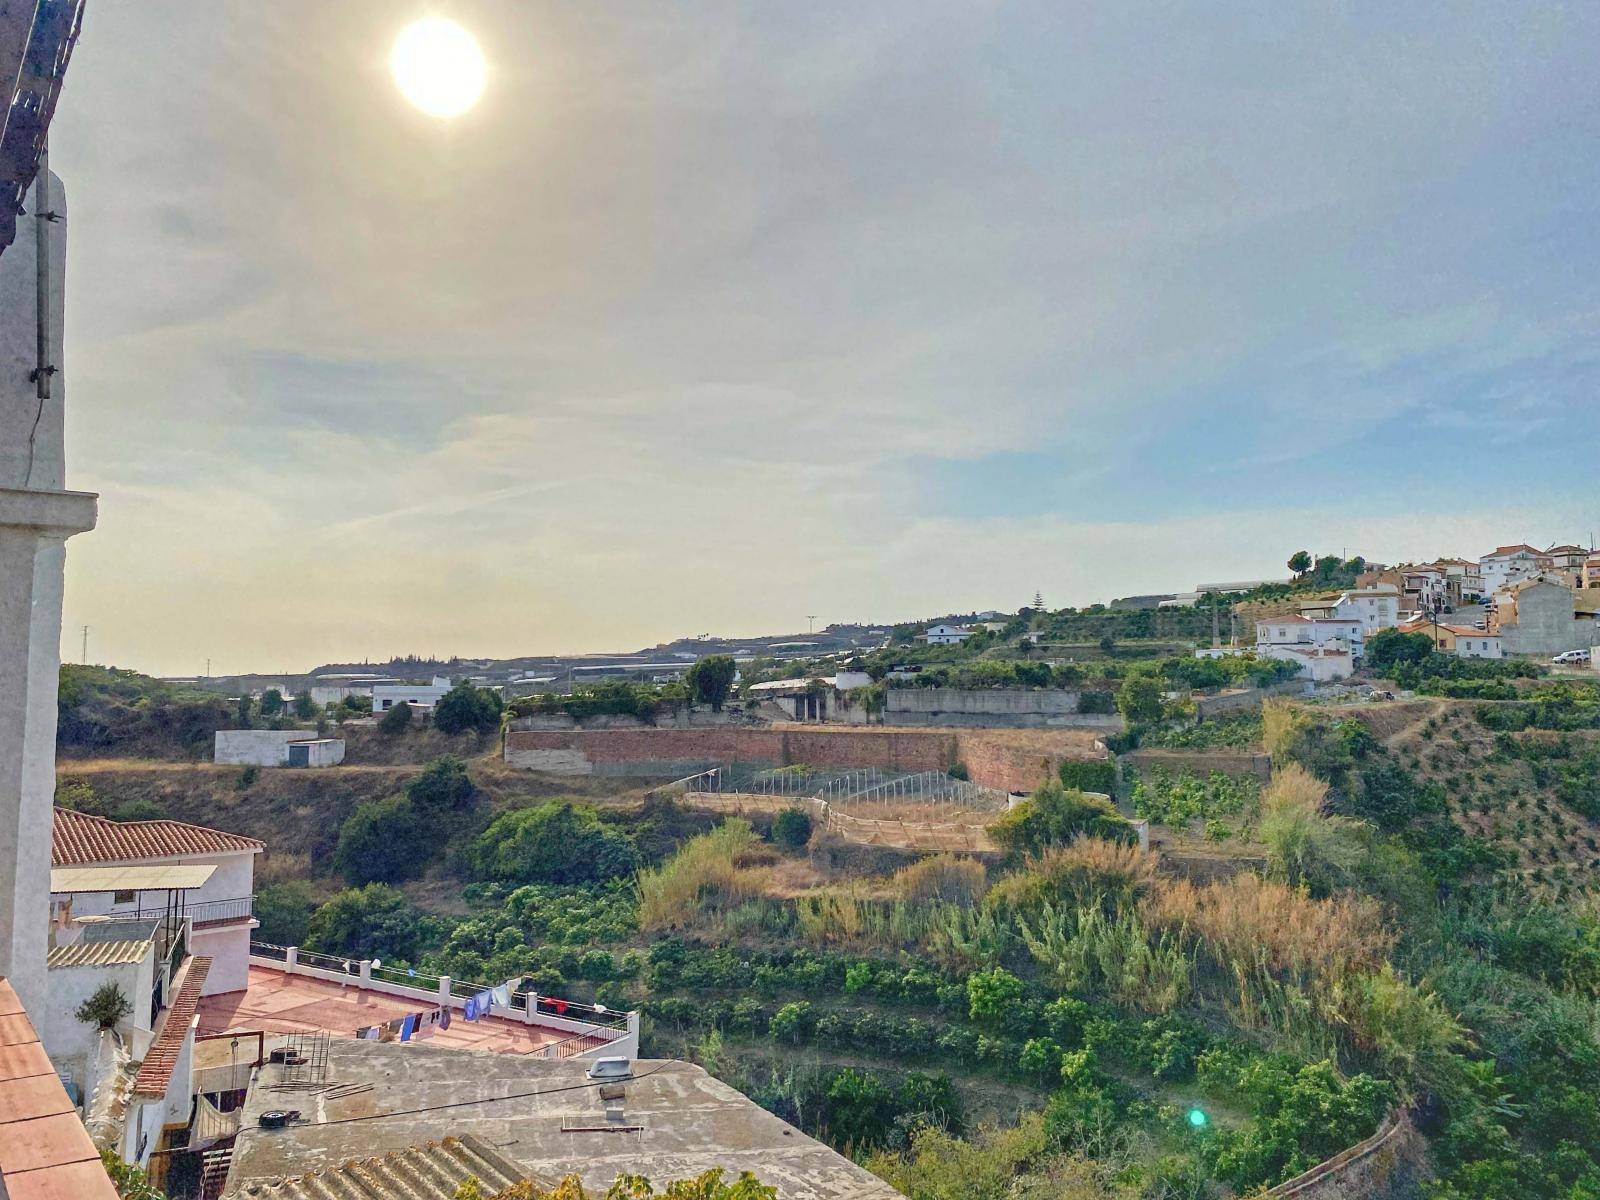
pixel 45 1152
pixel 79 838
pixel 155 1073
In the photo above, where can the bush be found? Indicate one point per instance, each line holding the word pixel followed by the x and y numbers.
pixel 466 708
pixel 1390 647
pixel 1053 816
pixel 284 910
pixel 443 787
pixel 247 778
pixel 369 922
pixel 383 841
pixel 556 842
pixel 791 1023
pixel 792 828
pixel 993 997
pixel 106 1008
pixel 396 721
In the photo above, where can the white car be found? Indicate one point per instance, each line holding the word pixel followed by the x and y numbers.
pixel 1570 657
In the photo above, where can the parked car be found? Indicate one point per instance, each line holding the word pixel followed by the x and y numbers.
pixel 1570 658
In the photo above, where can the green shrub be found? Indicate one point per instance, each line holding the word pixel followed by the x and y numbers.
pixel 1089 776
pixel 466 708
pixel 556 842
pixel 106 1008
pixel 1053 816
pixel 384 841
pixel 791 1023
pixel 284 910
pixel 396 721
pixel 993 997
pixel 368 922
pixel 792 828
pixel 442 788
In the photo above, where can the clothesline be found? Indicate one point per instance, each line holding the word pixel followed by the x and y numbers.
pixel 419 1025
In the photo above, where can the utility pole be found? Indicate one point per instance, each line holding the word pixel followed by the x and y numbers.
pixel 1216 633
pixel 208 668
pixel 811 622
pixel 83 656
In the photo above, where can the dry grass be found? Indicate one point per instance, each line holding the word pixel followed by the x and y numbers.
pixel 1250 920
pixel 1281 726
pixel 1087 871
pixel 708 873
pixel 946 877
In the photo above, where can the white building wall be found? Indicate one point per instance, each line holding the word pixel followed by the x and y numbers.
pixel 1477 646
pixel 71 1043
pixel 228 948
pixel 257 747
pixel 386 695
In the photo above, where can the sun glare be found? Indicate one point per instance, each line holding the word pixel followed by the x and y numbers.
pixel 438 67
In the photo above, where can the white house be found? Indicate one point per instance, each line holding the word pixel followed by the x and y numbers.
pixel 1320 664
pixel 1376 607
pixel 419 695
pixel 1476 643
pixel 1340 633
pixel 948 635
pixel 1468 576
pixel 221 910
pixel 1507 564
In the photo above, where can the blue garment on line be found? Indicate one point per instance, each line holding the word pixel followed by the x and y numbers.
pixel 408 1026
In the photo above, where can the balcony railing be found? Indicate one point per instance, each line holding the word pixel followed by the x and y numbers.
pixel 203 912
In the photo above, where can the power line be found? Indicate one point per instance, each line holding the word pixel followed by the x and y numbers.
pixel 570 1087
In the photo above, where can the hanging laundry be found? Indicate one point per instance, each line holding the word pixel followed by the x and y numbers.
pixel 502 995
pixel 470 1012
pixel 485 1000
pixel 559 1005
pixel 444 1018
pixel 408 1025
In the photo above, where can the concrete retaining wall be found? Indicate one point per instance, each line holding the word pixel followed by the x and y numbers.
pixel 1009 760
pixel 1242 699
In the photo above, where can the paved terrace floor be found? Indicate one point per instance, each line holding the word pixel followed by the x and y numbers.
pixel 279 1003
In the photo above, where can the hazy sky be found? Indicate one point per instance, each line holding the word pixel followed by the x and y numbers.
pixel 711 316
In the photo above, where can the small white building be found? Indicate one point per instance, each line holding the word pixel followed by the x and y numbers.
pixel 419 695
pixel 276 748
pixel 948 635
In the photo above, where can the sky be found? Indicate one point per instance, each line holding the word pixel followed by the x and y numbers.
pixel 711 317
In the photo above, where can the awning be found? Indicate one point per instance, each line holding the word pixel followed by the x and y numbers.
pixel 172 877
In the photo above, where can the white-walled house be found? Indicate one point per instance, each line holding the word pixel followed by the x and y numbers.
pixel 419 695
pixel 948 635
pixel 1507 564
pixel 1339 632
pixel 1376 607
pixel 1320 664
pixel 221 909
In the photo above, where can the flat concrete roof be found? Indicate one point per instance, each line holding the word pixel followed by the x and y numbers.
pixel 539 1114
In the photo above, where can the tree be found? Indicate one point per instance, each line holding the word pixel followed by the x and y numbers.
pixel 465 708
pixel 556 842
pixel 1390 648
pixel 356 706
pixel 271 702
pixel 368 922
pixel 711 678
pixel 106 1008
pixel 245 705
pixel 304 706
pixel 443 787
pixel 395 722
pixel 284 910
pixel 859 1109
pixel 384 841
pixel 792 828
pixel 1300 562
pixel 1139 699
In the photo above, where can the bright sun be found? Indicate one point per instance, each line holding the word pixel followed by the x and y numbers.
pixel 438 67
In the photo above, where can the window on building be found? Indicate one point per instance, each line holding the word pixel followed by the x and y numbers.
pixel 122 897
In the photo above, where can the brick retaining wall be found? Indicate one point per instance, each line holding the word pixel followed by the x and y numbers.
pixel 1012 760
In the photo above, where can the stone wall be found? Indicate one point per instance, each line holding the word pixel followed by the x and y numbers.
pixel 1202 762
pixel 1387 1166
pixel 1012 760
